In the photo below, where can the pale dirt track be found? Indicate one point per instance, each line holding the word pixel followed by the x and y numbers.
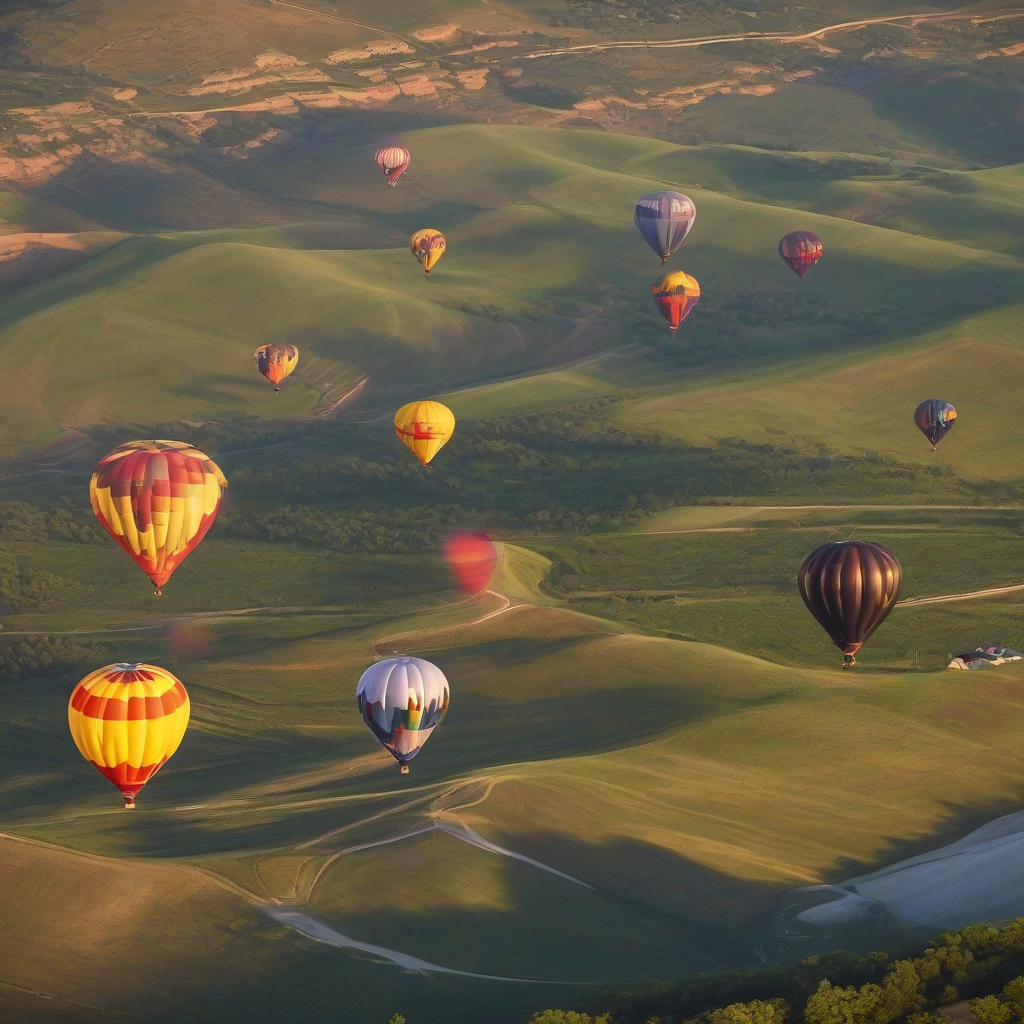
pixel 780 37
pixel 319 932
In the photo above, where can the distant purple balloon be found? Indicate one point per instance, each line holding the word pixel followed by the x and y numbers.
pixel 665 219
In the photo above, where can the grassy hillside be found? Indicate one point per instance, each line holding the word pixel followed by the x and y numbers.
pixel 650 744
pixel 543 267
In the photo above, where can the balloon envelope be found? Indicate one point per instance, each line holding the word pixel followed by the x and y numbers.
pixel 425 427
pixel 801 250
pixel 471 558
pixel 276 362
pixel 935 419
pixel 127 720
pixel 157 499
pixel 850 587
pixel 401 701
pixel 393 161
pixel 664 219
pixel 675 295
pixel 428 246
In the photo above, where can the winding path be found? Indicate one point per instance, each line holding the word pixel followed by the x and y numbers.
pixel 781 37
pixel 320 932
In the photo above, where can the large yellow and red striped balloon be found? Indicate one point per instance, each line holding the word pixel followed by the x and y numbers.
pixel 157 499
pixel 126 721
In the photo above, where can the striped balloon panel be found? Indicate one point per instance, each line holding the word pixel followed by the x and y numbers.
pixel 664 219
pixel 157 499
pixel 393 161
pixel 401 701
pixel 428 247
pixel 850 587
pixel 935 419
pixel 675 295
pixel 801 250
pixel 425 428
pixel 276 362
pixel 127 720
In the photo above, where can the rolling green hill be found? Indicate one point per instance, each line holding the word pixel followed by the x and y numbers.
pixel 650 744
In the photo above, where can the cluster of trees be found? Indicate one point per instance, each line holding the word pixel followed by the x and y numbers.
pixel 31 657
pixel 28 524
pixel 398 531
pixel 24 588
pixel 983 963
pixel 567 470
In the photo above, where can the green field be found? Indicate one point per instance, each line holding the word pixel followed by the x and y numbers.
pixel 650 743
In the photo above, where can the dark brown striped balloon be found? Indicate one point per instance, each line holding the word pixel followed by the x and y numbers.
pixel 850 587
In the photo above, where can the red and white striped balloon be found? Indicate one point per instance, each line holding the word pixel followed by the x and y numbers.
pixel 393 161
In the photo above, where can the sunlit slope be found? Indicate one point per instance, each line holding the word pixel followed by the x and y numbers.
pixel 543 265
pixel 865 402
pixel 980 208
pixel 754 777
pixel 456 903
pixel 729 578
pixel 80 945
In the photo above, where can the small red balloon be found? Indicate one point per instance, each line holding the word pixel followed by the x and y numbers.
pixel 471 558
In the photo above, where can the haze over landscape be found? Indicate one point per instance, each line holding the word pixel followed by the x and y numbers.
pixel 653 765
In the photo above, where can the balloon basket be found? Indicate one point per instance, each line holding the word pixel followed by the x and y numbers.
pixel 129 803
pixel 403 769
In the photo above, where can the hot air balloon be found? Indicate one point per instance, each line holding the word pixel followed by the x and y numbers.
pixel 471 558
pixel 402 700
pixel 427 246
pixel 801 250
pixel 675 295
pixel 935 419
pixel 664 219
pixel 425 427
pixel 126 721
pixel 157 499
pixel 393 161
pixel 850 587
pixel 276 362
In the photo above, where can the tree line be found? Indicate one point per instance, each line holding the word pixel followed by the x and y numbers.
pixel 982 963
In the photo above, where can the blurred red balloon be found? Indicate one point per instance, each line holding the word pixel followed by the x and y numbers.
pixel 471 558
pixel 189 640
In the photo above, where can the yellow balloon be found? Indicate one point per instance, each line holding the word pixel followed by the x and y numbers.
pixel 425 427
pixel 427 246
pixel 127 720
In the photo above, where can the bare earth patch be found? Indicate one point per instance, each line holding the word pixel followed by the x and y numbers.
pixel 382 48
pixel 438 33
